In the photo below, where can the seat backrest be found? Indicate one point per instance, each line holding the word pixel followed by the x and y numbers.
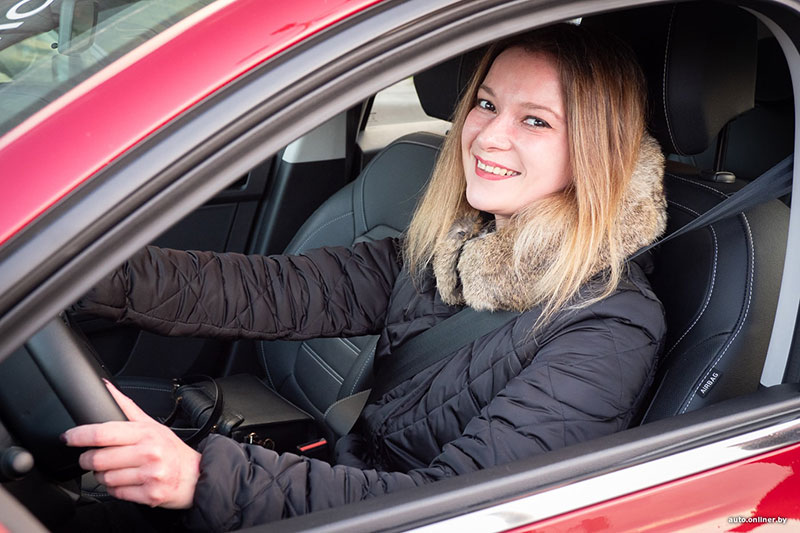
pixel 314 374
pixel 719 284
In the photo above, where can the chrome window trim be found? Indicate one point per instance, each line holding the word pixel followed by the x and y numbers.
pixel 549 503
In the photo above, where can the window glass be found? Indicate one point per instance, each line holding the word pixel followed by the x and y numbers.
pixel 49 46
pixel 395 112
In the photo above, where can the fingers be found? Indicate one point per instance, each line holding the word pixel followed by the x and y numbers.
pixel 102 459
pixel 105 434
pixel 120 478
pixel 131 410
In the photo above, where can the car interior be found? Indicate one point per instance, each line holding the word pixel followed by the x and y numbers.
pixel 722 110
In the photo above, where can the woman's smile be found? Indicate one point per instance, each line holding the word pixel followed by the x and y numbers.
pixel 493 171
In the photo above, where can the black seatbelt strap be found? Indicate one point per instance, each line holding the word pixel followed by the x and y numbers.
pixel 434 344
pixel 774 183
pixel 422 351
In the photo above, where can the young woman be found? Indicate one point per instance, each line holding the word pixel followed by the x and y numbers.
pixel 546 184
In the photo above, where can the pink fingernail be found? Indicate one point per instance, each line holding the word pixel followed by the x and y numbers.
pixel 63 438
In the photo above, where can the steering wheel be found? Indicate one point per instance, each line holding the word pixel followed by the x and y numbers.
pixel 50 384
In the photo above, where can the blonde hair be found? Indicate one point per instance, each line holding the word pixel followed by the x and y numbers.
pixel 604 96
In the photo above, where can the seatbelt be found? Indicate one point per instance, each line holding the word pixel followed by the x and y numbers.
pixel 420 352
pixel 434 344
pixel 446 337
pixel 774 183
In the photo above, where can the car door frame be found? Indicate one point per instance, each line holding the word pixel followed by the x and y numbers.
pixel 346 63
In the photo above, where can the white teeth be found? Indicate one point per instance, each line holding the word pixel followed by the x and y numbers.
pixel 497 171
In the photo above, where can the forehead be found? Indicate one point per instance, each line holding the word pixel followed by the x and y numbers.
pixel 525 76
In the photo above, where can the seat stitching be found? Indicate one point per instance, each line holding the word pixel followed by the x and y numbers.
pixel 423 144
pixel 664 81
pixel 713 280
pixel 349 345
pixel 331 406
pixel 746 310
pixel 321 362
pixel 363 367
pixel 302 244
pixel 694 183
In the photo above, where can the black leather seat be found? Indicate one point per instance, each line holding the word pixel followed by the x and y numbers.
pixel 719 284
pixel 314 374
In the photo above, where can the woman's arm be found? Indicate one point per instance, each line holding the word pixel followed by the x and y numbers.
pixel 585 382
pixel 325 292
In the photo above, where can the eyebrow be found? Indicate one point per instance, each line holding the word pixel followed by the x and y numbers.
pixel 527 105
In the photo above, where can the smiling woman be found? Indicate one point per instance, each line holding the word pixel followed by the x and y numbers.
pixel 555 380
pixel 516 427
pixel 558 117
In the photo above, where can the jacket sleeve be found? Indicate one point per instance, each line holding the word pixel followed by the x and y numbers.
pixel 584 383
pixel 242 485
pixel 333 291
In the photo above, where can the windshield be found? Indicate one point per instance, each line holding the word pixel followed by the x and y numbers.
pixel 49 46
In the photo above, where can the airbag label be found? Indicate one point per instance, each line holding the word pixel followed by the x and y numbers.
pixel 711 379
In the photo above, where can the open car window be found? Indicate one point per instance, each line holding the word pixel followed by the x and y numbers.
pixel 49 46
pixel 292 181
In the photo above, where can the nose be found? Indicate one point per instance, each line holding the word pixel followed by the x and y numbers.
pixel 495 133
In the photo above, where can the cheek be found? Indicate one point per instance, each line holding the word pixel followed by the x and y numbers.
pixel 472 126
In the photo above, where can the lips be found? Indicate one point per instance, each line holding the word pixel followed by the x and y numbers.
pixel 492 171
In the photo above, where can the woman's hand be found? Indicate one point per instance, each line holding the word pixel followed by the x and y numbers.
pixel 139 460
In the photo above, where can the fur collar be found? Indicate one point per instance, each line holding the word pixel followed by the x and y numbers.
pixel 475 266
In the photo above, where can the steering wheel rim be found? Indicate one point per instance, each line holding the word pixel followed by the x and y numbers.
pixel 50 384
pixel 73 371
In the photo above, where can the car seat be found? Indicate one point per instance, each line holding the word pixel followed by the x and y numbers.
pixel 719 284
pixel 314 374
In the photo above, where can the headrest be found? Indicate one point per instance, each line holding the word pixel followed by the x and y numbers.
pixel 699 60
pixel 700 63
pixel 774 82
pixel 440 87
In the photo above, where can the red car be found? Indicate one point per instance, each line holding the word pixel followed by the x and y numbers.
pixel 258 126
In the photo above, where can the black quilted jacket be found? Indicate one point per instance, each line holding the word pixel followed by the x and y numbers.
pixel 506 396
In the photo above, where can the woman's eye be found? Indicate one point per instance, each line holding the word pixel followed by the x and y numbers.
pixel 536 122
pixel 485 104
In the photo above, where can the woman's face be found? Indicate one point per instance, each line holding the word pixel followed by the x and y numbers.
pixel 514 142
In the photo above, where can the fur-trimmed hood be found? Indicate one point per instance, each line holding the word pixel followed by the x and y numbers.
pixel 475 265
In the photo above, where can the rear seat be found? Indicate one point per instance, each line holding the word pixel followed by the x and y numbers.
pixel 764 135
